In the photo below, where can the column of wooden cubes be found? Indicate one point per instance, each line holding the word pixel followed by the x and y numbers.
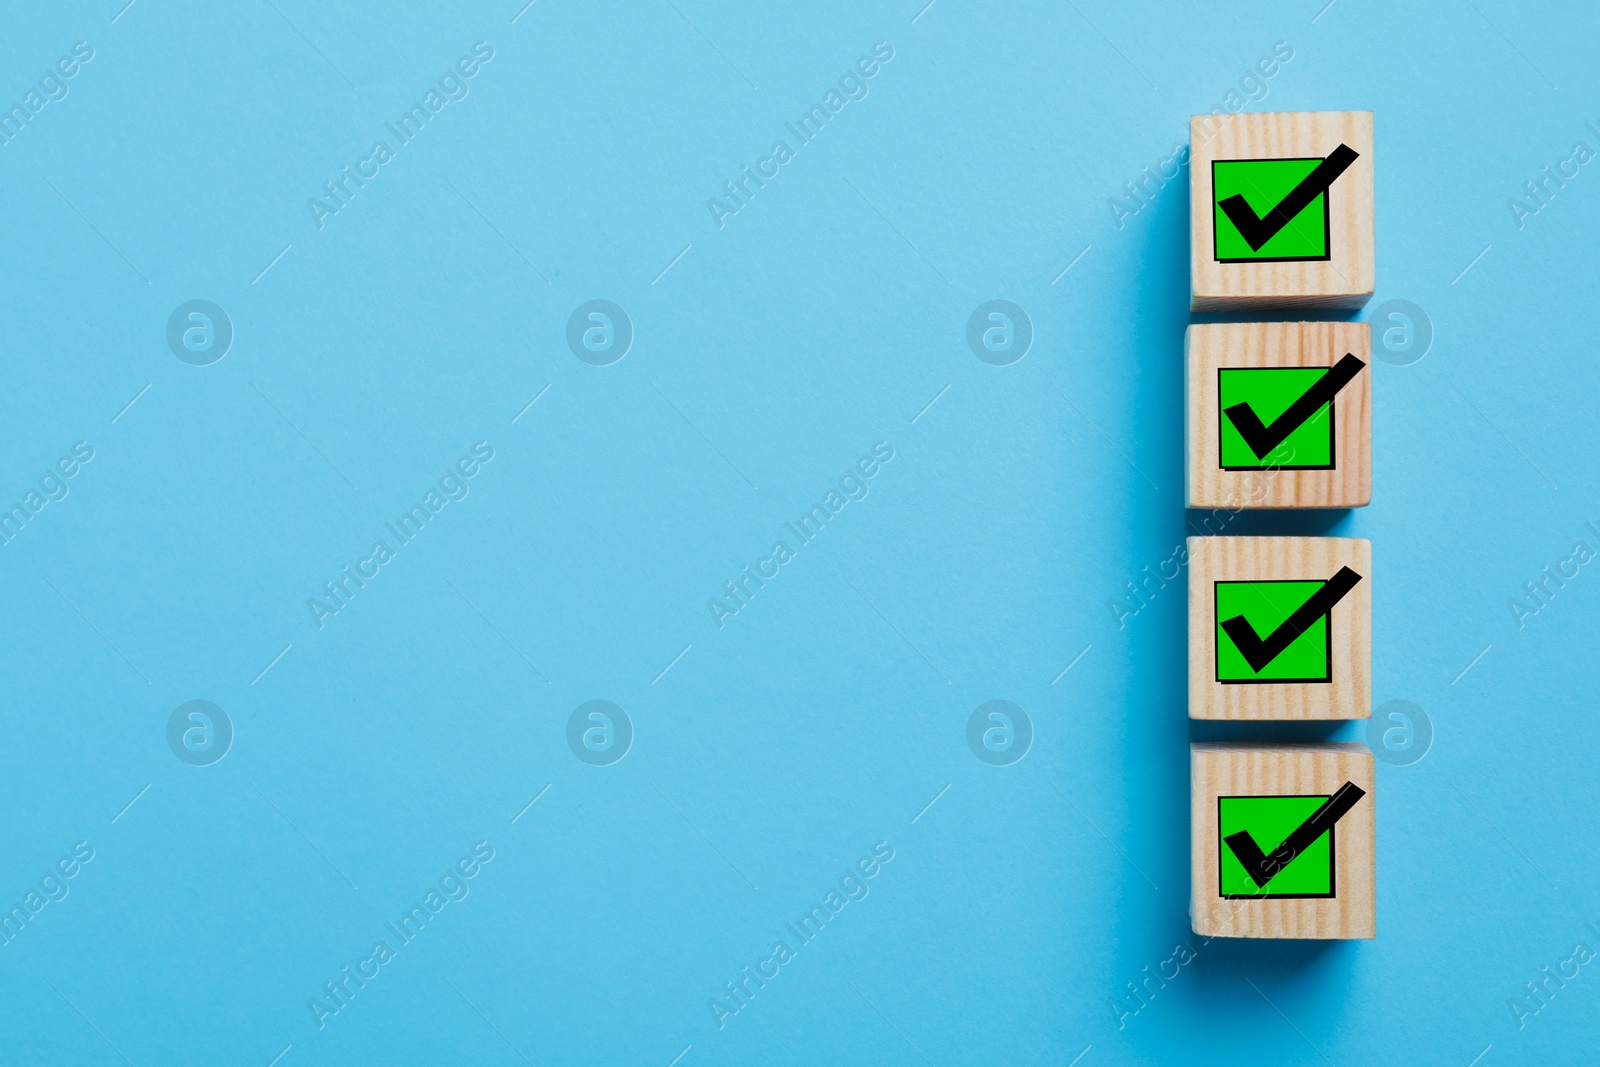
pixel 1279 415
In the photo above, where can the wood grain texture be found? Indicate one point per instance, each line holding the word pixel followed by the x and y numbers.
pixel 1218 770
pixel 1213 346
pixel 1347 278
pixel 1232 559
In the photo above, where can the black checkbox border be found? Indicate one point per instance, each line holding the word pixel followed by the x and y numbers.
pixel 1216 625
pixel 1333 431
pixel 1333 852
pixel 1327 225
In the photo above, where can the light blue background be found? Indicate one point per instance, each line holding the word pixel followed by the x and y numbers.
pixel 822 318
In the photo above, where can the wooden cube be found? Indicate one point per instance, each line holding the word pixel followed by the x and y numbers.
pixel 1280 210
pixel 1280 628
pixel 1282 841
pixel 1278 415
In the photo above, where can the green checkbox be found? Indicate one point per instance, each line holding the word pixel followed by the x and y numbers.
pixel 1269 391
pixel 1265 184
pixel 1269 821
pixel 1266 606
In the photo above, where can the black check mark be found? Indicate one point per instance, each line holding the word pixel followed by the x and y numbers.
pixel 1258 231
pixel 1263 439
pixel 1262 867
pixel 1258 652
